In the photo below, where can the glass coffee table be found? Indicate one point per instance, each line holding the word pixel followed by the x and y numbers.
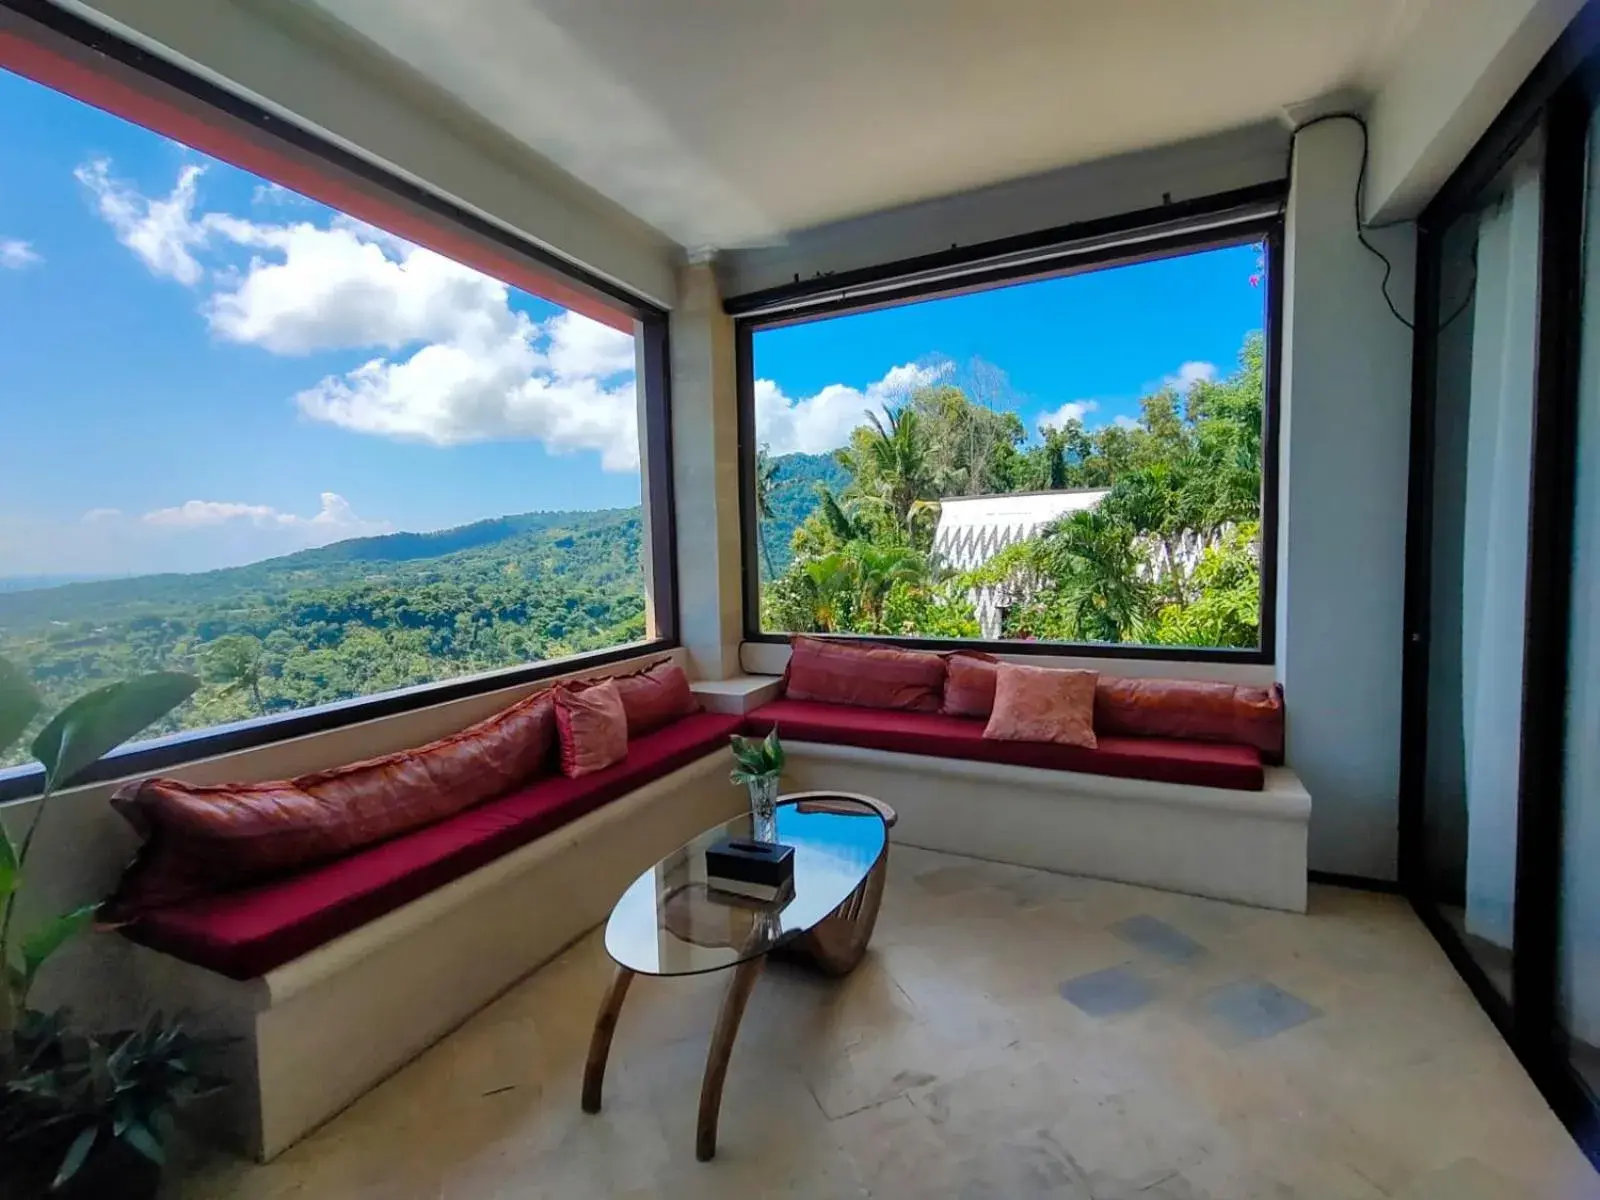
pixel 669 922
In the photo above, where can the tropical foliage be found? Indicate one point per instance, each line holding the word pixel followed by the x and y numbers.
pixel 352 619
pixel 1170 555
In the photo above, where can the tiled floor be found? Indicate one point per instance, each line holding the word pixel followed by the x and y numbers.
pixel 1015 1034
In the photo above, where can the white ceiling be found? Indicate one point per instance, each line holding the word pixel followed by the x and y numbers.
pixel 728 123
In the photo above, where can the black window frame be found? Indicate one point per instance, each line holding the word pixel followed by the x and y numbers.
pixel 1254 215
pixel 88 46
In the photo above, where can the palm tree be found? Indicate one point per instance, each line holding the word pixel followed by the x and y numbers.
pixel 237 662
pixel 893 469
pixel 877 569
pixel 766 482
pixel 1092 565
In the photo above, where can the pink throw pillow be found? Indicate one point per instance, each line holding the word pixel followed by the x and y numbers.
pixel 593 727
pixel 655 697
pixel 969 684
pixel 1043 704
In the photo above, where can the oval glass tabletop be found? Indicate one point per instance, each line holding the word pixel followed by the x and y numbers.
pixel 670 922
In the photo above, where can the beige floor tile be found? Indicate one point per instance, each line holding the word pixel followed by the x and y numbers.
pixel 948 1064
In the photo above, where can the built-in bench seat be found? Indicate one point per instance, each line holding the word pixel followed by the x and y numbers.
pixel 247 933
pixel 1164 760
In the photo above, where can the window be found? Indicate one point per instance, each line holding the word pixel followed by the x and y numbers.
pixel 296 449
pixel 1078 455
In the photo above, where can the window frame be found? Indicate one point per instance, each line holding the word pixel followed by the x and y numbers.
pixel 1170 231
pixel 70 55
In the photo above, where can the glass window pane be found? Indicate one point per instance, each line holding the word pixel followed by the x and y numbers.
pixel 1580 871
pixel 1072 459
pixel 253 438
pixel 1481 476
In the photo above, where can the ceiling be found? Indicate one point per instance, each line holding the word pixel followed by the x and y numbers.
pixel 726 123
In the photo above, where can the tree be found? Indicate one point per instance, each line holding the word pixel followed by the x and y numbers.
pixel 893 472
pixel 766 482
pixel 236 663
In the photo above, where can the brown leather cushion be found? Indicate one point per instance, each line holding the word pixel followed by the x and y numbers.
pixel 655 697
pixel 864 674
pixel 204 838
pixel 1192 710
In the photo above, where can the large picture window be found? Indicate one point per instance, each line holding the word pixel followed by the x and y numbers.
pixel 278 445
pixel 1077 458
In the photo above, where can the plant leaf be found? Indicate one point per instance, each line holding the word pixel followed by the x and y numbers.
pixel 139 1136
pixel 19 703
pixel 50 937
pixel 76 1154
pixel 10 869
pixel 99 722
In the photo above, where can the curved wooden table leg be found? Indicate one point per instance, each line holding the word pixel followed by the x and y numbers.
pixel 605 1024
pixel 733 1002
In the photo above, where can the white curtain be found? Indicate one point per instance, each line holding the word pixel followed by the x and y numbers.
pixel 1495 548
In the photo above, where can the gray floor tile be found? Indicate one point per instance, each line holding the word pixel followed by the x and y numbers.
pixel 1108 992
pixel 1156 937
pixel 1253 1009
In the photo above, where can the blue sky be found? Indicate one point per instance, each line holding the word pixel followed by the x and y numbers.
pixel 198 369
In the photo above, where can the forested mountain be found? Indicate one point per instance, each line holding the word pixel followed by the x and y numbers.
pixel 350 619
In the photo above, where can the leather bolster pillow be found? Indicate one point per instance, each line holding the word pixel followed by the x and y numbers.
pixel 207 838
pixel 1192 710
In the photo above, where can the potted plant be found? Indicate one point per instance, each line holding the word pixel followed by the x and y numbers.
pixel 759 766
pixel 90 1115
pixel 84 1101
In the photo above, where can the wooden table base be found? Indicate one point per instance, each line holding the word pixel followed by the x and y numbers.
pixel 834 947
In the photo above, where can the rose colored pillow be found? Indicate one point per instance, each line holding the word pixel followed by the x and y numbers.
pixel 205 838
pixel 864 674
pixel 969 684
pixel 1193 710
pixel 593 727
pixel 1043 704
pixel 655 697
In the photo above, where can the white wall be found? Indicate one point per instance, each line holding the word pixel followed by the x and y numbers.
pixel 1343 454
pixel 1110 187
pixel 308 70
pixel 1461 63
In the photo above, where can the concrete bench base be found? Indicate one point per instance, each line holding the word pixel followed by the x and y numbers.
pixel 1231 845
pixel 316 1033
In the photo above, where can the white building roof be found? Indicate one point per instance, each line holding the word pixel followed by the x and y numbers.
pixel 973 529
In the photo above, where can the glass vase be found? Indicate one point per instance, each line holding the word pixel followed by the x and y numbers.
pixel 764 808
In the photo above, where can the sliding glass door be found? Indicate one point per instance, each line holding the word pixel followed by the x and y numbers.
pixel 1478 560
pixel 1500 792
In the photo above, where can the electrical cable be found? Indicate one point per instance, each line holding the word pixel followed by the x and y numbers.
pixel 1362 226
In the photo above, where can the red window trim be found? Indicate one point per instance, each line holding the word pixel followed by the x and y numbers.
pixel 116 88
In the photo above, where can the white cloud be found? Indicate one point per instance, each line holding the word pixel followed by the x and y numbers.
pixel 1189 374
pixel 1072 410
pixel 16 254
pixel 335 517
pixel 197 535
pixel 162 233
pixel 1126 422
pixel 459 364
pixel 823 421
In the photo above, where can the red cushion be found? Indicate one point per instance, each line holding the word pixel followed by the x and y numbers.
pixel 246 933
pixel 593 726
pixel 863 673
pixel 1207 764
pixel 656 696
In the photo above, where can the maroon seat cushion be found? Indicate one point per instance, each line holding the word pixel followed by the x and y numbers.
pixel 1208 764
pixel 246 933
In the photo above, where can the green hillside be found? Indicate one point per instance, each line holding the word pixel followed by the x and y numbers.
pixel 792 499
pixel 361 616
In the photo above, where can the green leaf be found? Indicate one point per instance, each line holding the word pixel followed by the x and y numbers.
pixel 139 1136
pixel 77 1153
pixel 99 722
pixel 10 869
pixel 39 945
pixel 19 703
